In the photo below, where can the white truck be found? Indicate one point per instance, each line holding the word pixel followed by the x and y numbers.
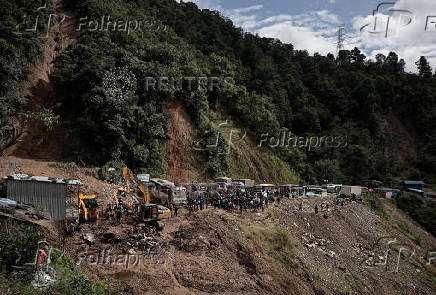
pixel 348 190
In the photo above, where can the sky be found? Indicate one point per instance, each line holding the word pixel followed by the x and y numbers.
pixel 407 27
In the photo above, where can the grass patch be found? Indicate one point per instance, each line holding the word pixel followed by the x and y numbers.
pixel 375 203
pixel 316 276
pixel 420 210
pixel 276 241
pixel 71 281
pixel 246 160
pixel 404 228
pixel 67 167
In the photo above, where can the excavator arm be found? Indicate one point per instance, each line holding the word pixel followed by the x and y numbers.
pixel 128 176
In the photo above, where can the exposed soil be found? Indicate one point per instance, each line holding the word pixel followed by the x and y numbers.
pixel 36 142
pixel 221 252
pixel 404 145
pixel 181 163
pixel 210 252
pixel 345 253
pixel 45 168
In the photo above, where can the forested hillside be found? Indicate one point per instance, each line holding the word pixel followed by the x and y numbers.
pixel 276 90
pixel 19 51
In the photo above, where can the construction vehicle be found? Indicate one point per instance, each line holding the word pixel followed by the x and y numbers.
pixel 130 176
pixel 144 210
pixel 88 207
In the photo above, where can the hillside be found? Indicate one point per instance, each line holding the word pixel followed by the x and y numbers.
pixel 189 97
pixel 271 90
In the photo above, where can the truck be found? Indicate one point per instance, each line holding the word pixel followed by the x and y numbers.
pixel 167 192
pixel 246 182
pixel 226 180
pixel 348 190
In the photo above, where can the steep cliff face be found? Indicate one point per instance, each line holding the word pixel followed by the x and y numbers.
pixel 41 94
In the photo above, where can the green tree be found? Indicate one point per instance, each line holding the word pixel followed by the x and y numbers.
pixel 424 68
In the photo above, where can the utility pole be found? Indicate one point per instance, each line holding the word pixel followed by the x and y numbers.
pixel 340 42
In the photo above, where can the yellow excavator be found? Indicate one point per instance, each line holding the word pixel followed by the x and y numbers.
pixel 128 176
pixel 145 212
pixel 88 207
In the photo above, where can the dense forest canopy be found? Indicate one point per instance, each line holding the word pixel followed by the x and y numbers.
pixel 276 89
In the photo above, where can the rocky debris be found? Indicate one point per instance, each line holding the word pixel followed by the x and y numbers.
pixel 34 213
pixel 327 252
pixel 7 209
pixel 144 242
pixel 309 240
pixel 109 238
pixel 89 238
pixel 138 239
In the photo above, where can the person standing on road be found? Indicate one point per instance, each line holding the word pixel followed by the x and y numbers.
pixel 176 208
pixel 316 208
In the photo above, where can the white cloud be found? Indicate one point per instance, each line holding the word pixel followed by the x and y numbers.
pixel 207 4
pixel 313 31
pixel 246 9
pixel 328 17
pixel 300 37
pixel 408 40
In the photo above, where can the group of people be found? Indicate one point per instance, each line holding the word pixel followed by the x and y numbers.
pixel 335 206
pixel 326 207
pixel 235 199
pixel 238 200
pixel 255 200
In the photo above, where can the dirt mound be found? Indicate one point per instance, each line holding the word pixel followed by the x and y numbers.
pixel 277 251
pixel 355 250
pixel 215 256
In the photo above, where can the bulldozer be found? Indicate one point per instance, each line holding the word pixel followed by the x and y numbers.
pixel 144 211
pixel 88 207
